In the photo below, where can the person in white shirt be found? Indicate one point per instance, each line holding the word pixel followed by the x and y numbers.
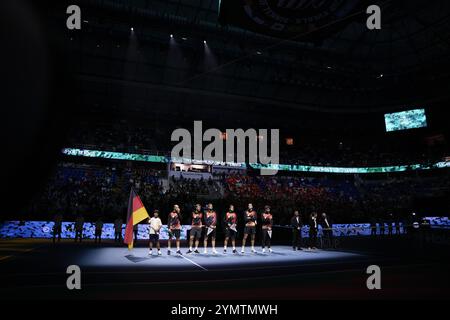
pixel 155 226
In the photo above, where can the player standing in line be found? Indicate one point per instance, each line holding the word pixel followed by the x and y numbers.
pixel 267 223
pixel 211 225
pixel 250 218
pixel 155 227
pixel 230 229
pixel 174 225
pixel 196 228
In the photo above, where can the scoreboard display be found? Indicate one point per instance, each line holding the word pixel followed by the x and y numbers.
pixel 404 120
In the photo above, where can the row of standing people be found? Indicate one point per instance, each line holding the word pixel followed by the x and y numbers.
pixel 205 223
pixel 79 225
pixel 313 222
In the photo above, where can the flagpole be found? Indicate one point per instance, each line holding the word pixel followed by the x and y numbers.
pixel 129 216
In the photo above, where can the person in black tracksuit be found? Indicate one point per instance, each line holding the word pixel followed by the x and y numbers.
pixel 397 226
pixel 79 224
pixel 390 226
pixel 174 226
pixel 373 226
pixel 296 224
pixel 210 224
pixel 382 226
pixel 57 227
pixel 313 226
pixel 196 228
pixel 266 229
pixel 250 220
pixel 230 223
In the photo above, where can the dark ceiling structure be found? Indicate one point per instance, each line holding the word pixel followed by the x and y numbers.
pixel 181 58
pixel 171 60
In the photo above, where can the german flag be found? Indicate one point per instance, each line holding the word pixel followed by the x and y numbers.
pixel 136 213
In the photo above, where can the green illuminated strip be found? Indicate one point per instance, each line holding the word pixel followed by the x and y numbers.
pixel 113 155
pixel 279 167
pixel 302 168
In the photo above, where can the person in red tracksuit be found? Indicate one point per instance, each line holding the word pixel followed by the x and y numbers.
pixel 211 225
pixel 230 229
pixel 250 219
pixel 174 226
pixel 196 228
pixel 267 223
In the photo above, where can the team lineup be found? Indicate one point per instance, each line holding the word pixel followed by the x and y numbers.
pixel 204 223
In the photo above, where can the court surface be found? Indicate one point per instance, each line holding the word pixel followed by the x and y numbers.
pixel 37 269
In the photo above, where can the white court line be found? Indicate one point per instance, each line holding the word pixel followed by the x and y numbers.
pixel 193 262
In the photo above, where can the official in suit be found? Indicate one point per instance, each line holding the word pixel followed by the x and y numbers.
pixel 296 225
pixel 327 228
pixel 313 227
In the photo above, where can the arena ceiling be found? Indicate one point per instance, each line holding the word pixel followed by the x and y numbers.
pixel 345 69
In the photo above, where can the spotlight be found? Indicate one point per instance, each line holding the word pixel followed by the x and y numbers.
pixel 171 35
pixel 258 52
pixel 204 41
pixel 132 29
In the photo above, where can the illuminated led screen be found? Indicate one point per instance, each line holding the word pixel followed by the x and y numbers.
pixel 351 170
pixel 279 167
pixel 113 155
pixel 44 229
pixel 405 120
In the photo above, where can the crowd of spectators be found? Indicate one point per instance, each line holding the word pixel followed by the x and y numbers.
pixel 363 151
pixel 347 199
pixel 102 192
pixel 308 149
pixel 95 191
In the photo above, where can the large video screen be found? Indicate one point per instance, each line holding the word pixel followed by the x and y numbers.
pixel 405 120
